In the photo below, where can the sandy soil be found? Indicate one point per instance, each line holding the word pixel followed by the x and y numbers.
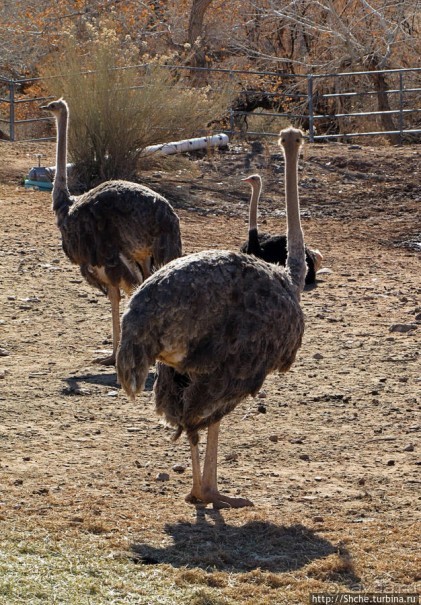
pixel 329 453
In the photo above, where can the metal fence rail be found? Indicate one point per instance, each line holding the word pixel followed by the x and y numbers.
pixel 306 100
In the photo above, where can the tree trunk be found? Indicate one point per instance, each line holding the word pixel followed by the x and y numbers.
pixel 197 13
pixel 388 124
pixel 195 31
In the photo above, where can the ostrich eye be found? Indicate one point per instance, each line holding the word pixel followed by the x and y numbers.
pixel 298 140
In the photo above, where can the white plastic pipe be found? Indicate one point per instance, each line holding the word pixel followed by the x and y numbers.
pixel 216 140
pixel 42 174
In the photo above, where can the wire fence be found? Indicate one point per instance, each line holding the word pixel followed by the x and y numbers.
pixel 334 106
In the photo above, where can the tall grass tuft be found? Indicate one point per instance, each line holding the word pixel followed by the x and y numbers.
pixel 116 112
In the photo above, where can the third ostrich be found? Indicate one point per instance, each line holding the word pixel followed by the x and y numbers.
pixel 273 248
pixel 218 322
pixel 115 232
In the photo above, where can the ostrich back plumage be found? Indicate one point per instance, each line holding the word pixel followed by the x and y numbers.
pixel 118 223
pixel 273 249
pixel 220 321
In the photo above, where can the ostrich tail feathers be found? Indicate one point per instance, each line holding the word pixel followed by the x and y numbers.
pixel 132 367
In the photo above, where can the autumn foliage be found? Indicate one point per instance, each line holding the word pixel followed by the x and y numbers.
pixel 284 38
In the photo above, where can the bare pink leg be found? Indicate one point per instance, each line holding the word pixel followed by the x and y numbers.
pixel 145 263
pixel 114 298
pixel 210 493
pixel 195 495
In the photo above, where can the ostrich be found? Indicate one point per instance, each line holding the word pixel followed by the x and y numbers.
pixel 273 248
pixel 218 322
pixel 117 232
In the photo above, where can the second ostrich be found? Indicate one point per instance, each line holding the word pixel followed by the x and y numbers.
pixel 117 232
pixel 218 322
pixel 273 248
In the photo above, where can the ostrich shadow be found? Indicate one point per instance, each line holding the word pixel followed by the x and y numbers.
pixel 74 387
pixel 218 546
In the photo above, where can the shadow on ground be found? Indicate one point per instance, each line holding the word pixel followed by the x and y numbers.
pixel 74 383
pixel 212 544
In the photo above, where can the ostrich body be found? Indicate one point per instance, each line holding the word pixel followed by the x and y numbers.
pixel 273 248
pixel 117 232
pixel 218 322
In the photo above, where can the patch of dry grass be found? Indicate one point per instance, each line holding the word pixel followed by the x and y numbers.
pixel 38 567
pixel 239 558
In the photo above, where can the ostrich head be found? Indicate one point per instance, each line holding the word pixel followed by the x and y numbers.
pixel 291 139
pixel 255 182
pixel 56 107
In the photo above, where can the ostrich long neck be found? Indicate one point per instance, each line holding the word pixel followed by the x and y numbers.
pixel 255 195
pixel 61 195
pixel 295 263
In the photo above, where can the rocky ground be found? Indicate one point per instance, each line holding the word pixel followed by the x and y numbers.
pixel 329 453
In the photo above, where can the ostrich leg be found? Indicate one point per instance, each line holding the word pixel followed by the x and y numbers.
pixel 146 268
pixel 195 495
pixel 210 491
pixel 114 298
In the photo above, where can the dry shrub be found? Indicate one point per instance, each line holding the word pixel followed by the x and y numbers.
pixel 260 122
pixel 116 112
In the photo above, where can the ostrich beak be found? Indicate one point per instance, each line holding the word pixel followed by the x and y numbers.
pixel 254 180
pixel 250 179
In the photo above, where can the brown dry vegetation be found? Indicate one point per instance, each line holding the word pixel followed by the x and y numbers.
pixel 329 453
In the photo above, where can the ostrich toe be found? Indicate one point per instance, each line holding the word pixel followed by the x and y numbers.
pixel 106 361
pixel 218 500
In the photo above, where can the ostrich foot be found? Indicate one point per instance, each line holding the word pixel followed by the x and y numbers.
pixel 217 500
pixel 106 361
pixel 192 499
pixel 220 501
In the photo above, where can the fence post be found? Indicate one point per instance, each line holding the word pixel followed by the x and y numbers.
pixel 12 110
pixel 310 108
pixel 400 108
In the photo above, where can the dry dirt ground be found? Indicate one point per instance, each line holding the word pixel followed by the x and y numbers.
pixel 329 453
